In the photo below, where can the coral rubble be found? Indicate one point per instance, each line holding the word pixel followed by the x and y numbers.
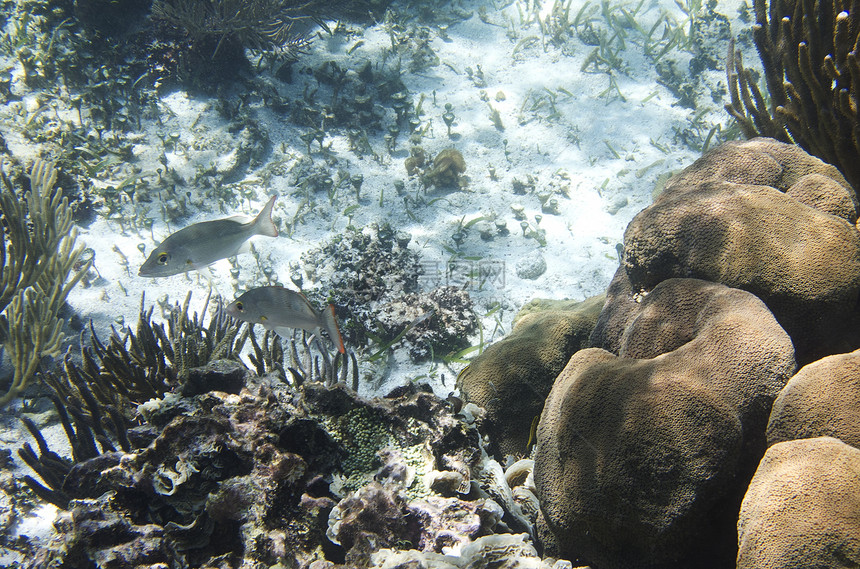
pixel 374 280
pixel 279 473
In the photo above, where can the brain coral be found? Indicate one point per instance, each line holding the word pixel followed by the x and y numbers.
pixel 802 509
pixel 764 217
pixel 619 308
pixel 512 377
pixel 765 162
pixel 822 399
pixel 642 457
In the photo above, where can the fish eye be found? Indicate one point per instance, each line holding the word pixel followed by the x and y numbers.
pixel 240 307
pixel 163 258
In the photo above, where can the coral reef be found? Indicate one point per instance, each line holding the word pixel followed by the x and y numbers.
pixel 180 455
pixel 710 358
pixel 717 221
pixel 819 401
pixel 801 507
pixel 512 378
pixel 812 70
pixel 37 259
pixel 668 431
pixel 668 421
pixel 98 399
pixel 265 474
pixel 373 280
pixel 96 394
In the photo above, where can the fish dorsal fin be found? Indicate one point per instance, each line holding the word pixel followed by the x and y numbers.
pixel 263 222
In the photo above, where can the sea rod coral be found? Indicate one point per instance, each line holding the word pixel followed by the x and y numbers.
pixel 809 54
pixel 37 255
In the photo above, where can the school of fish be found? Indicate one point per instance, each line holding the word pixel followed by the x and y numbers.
pixel 274 307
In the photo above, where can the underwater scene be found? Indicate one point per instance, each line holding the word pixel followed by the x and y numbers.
pixel 508 284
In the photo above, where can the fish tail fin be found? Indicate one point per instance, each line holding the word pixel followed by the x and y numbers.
pixel 263 222
pixel 329 322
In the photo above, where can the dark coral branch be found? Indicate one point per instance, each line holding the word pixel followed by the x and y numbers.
pixel 748 106
pixel 55 497
pixel 808 51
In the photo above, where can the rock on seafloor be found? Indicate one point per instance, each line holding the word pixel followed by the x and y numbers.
pixel 531 266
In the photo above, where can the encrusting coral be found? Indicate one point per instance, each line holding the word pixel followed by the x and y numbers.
pixel 37 256
pixel 511 378
pixel 809 51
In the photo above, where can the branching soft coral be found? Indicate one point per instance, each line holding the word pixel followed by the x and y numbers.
pixel 38 254
pixel 809 52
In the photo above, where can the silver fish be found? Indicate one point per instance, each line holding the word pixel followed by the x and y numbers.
pixel 203 243
pixel 278 308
